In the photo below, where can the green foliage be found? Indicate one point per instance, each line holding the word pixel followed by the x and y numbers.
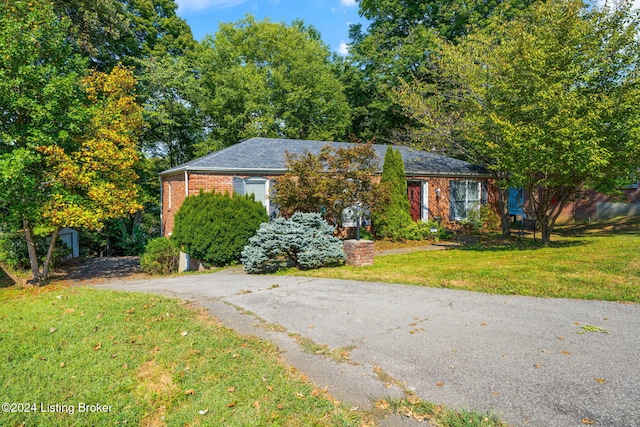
pixel 130 243
pixel 110 32
pixel 14 253
pixel 329 182
pixel 400 43
pixel 418 230
pixel 481 220
pixel 160 256
pixel 215 227
pixel 271 80
pixel 174 120
pixel 305 241
pixel 390 214
pixel 550 100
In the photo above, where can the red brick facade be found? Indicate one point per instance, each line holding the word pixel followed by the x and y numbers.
pixel 174 192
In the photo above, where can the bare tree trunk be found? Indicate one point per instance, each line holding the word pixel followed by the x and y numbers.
pixel 503 203
pixel 47 261
pixel 33 257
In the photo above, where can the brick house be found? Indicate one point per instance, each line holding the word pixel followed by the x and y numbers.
pixel 439 187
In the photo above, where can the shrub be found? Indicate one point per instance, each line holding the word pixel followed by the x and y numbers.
pixel 422 231
pixel 215 227
pixel 305 241
pixel 482 220
pixel 160 256
pixel 14 252
pixel 390 214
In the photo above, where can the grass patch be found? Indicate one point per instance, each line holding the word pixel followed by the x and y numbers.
pixel 152 360
pixel 600 261
pixel 420 410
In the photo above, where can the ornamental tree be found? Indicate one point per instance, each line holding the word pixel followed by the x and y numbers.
pixel 327 182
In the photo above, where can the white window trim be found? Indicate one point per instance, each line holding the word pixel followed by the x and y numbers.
pixel 466 198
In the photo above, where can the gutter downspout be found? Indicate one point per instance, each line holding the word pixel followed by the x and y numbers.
pixel 186 184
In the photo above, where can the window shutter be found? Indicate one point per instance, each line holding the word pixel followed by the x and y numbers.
pixel 485 193
pixel 452 201
pixel 238 186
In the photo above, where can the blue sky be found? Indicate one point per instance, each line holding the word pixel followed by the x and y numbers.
pixel 331 17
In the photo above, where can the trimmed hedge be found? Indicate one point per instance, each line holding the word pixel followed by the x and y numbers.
pixel 305 241
pixel 215 227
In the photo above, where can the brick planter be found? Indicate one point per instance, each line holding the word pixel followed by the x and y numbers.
pixel 359 252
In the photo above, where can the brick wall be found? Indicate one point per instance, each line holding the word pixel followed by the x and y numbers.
pixel 439 204
pixel 173 194
pixel 209 182
pixel 174 191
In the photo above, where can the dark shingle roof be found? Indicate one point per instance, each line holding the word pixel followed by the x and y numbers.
pixel 267 156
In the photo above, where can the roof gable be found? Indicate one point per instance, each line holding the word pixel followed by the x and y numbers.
pixel 267 156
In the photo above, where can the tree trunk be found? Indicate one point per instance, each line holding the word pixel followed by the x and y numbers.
pixel 33 257
pixel 47 261
pixel 503 203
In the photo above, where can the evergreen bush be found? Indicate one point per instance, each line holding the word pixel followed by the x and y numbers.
pixel 391 213
pixel 215 227
pixel 160 256
pixel 305 241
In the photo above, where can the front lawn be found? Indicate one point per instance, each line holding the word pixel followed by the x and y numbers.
pixel 587 261
pixel 142 360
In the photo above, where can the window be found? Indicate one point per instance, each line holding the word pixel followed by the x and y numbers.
pixel 464 197
pixel 257 186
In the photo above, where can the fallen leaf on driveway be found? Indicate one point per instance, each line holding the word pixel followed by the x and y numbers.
pixel 600 380
pixel 439 383
pixel 588 421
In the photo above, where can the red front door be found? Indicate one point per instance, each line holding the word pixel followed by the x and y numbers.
pixel 414 192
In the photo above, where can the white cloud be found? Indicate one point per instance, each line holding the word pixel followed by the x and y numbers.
pixel 196 5
pixel 343 49
pixel 348 3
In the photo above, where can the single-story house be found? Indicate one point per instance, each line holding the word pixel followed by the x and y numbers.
pixel 439 187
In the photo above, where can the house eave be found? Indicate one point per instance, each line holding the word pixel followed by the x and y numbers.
pixel 448 174
pixel 230 171
pixel 272 171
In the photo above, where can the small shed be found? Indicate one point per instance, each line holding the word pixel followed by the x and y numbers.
pixel 70 238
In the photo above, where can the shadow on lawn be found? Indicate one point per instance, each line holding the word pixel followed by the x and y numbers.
pixel 604 228
pixel 519 244
pixel 5 280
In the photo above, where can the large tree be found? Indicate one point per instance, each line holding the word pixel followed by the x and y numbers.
pixel 108 32
pixel 400 42
pixel 550 101
pixel 269 79
pixel 67 140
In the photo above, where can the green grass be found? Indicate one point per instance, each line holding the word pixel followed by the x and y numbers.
pixel 152 360
pixel 599 261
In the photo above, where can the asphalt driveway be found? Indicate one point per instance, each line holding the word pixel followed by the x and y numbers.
pixel 534 362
